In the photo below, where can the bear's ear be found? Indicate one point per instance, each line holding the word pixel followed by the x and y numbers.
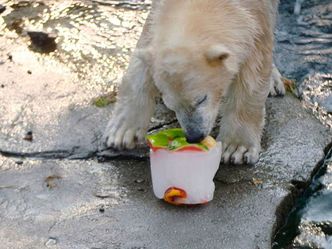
pixel 220 55
pixel 144 54
pixel 217 54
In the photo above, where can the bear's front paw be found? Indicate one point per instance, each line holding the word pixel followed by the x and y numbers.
pixel 239 154
pixel 277 87
pixel 121 133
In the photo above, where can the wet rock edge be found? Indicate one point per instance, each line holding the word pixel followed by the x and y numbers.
pixel 285 208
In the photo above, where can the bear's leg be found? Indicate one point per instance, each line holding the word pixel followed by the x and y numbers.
pixel 277 87
pixel 243 112
pixel 240 132
pixel 136 101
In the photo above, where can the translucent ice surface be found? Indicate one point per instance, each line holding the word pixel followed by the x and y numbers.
pixel 191 171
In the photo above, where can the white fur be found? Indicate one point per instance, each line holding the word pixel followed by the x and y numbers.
pixel 218 50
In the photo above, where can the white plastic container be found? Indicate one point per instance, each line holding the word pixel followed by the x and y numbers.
pixel 184 177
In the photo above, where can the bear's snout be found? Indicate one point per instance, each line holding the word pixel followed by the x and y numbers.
pixel 194 133
pixel 195 137
pixel 193 125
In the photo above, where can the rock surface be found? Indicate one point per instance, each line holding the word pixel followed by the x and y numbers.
pixel 315 224
pixel 42 42
pixel 46 199
pixel 2 8
pixel 62 198
pixel 304 53
pixel 309 222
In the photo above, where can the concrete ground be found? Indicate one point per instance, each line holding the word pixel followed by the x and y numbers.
pixel 56 192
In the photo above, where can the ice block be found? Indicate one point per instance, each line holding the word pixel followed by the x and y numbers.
pixel 182 173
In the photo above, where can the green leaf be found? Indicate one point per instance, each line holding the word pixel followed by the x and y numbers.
pixel 158 140
pixel 105 100
pixel 172 139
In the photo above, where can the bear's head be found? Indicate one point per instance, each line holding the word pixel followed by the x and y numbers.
pixel 192 82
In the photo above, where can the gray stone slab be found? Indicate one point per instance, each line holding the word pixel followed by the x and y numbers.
pixel 94 205
pixel 46 98
pixel 303 53
pixel 85 204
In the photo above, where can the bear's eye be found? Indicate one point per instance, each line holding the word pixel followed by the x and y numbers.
pixel 201 100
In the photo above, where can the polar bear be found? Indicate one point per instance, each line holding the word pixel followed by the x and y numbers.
pixel 203 57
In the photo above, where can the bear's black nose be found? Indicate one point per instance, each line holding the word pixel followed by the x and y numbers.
pixel 195 137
